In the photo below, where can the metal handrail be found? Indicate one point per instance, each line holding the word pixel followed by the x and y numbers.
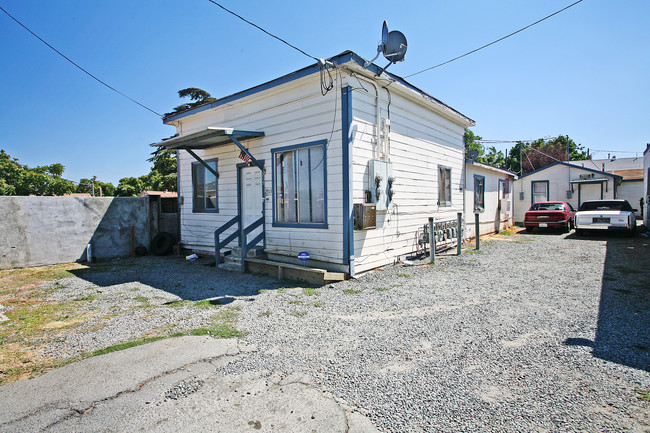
pixel 218 245
pixel 246 246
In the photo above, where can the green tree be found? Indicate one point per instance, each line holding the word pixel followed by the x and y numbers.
pixel 492 157
pixel 18 179
pixel 541 153
pixel 129 187
pixel 199 96
pixel 86 186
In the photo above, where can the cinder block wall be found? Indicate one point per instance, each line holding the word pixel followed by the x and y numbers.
pixel 37 231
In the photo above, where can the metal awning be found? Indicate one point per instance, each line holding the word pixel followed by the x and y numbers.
pixel 208 137
pixel 597 180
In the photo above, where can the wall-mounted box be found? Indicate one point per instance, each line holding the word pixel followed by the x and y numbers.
pixel 365 216
pixel 378 174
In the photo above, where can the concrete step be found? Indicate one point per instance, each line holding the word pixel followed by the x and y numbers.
pixel 289 271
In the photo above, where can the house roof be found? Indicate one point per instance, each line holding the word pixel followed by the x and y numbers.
pixel 345 57
pixel 162 194
pixel 635 174
pixel 489 167
pixel 616 176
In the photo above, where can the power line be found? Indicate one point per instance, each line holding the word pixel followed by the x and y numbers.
pixel 79 67
pixel 268 33
pixel 494 42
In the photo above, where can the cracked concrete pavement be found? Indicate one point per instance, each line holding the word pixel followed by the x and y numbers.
pixel 171 385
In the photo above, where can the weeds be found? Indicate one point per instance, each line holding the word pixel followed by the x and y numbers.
pixel 351 291
pixel 207 303
pixel 403 275
pixel 310 291
pixel 643 394
pixel 318 304
pixel 298 313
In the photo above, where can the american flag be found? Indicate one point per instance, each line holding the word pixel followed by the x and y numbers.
pixel 245 157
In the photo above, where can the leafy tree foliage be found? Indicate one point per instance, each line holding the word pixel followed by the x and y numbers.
pixel 18 179
pixel 541 153
pixel 161 177
pixel 535 155
pixel 199 96
pixel 130 186
pixel 94 186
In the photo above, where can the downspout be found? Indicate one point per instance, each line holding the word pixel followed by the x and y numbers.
pixel 377 113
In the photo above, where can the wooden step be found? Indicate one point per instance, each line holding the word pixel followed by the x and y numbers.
pixel 289 271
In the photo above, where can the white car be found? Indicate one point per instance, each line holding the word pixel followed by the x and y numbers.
pixel 605 215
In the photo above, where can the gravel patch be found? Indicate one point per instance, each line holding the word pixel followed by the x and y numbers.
pixel 544 332
pixel 533 333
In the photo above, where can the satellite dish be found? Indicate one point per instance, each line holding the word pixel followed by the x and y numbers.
pixel 392 45
pixel 472 154
pixel 384 34
pixel 395 47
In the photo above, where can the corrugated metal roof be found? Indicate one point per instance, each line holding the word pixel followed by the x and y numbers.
pixel 208 137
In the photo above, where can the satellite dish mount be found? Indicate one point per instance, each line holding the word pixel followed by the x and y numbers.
pixel 392 45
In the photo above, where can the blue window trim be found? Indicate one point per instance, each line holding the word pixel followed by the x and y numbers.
pixel 275 223
pixel 532 190
pixel 451 189
pixel 216 165
pixel 477 207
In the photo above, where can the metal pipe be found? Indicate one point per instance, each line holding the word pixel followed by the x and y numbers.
pixel 377 113
pixel 478 231
pixel 432 241
pixel 459 232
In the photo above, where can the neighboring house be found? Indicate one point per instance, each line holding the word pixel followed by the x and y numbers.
pixel 562 181
pixel 646 176
pixel 488 192
pixel 285 167
pixel 630 169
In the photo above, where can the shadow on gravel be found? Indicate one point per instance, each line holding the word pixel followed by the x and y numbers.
pixel 191 281
pixel 622 334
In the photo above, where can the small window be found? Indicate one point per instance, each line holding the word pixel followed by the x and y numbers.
pixel 479 193
pixel 444 186
pixel 204 187
pixel 300 185
pixel 540 190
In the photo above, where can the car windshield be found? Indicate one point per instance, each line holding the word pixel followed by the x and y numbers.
pixel 606 205
pixel 547 206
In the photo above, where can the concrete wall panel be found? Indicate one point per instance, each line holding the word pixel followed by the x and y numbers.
pixel 36 231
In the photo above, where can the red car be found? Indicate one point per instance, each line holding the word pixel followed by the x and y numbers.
pixel 550 214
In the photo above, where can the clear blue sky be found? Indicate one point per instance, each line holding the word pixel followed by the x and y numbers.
pixel 583 73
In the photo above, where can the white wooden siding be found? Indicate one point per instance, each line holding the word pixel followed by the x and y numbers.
pixel 489 219
pixel 420 142
pixel 293 113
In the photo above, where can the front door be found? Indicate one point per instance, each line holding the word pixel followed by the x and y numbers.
pixel 251 198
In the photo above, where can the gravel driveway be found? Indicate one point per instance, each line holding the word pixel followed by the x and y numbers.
pixel 544 332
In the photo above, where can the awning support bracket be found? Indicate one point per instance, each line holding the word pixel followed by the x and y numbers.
pixel 205 164
pixel 243 149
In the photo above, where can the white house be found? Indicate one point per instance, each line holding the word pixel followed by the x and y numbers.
pixel 562 181
pixel 488 192
pixel 646 177
pixel 631 171
pixel 285 164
